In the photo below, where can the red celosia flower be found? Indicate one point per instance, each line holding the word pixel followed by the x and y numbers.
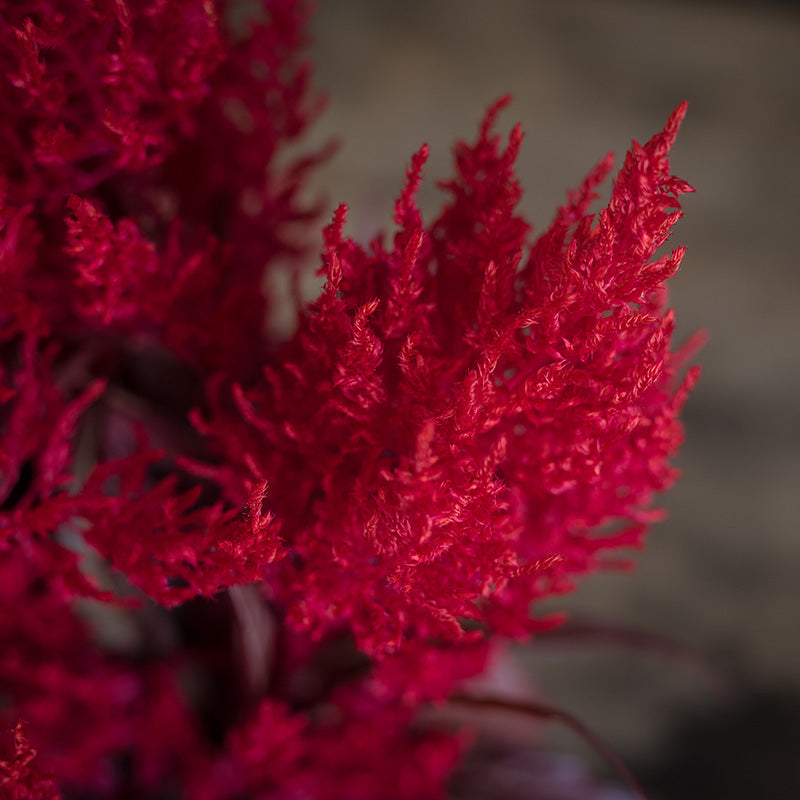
pixel 463 421
pixel 19 780
pixel 458 417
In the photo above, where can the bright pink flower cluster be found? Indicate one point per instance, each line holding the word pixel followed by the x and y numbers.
pixel 304 544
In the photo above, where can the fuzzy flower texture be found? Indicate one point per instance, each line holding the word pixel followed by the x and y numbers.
pixel 235 567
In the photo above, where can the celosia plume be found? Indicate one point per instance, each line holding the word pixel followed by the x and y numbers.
pixel 308 543
pixel 459 414
pixel 19 780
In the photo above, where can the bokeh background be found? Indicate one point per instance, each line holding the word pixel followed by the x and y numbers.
pixel 721 576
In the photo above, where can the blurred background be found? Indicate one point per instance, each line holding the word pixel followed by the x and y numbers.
pixel 721 577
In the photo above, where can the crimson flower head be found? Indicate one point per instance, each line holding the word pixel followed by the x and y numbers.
pixel 233 567
pixel 464 419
